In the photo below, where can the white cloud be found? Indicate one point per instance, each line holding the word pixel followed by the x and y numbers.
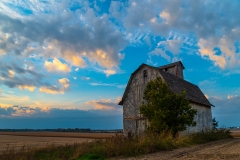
pixel 159 52
pixel 85 78
pixel 108 84
pixel 231 96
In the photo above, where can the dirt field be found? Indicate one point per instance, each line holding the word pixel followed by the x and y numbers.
pixel 40 139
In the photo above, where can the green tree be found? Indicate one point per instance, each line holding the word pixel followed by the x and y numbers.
pixel 165 110
pixel 215 123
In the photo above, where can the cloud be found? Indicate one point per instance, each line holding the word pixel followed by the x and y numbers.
pixel 108 84
pixel 56 89
pixel 226 110
pixel 51 90
pixel 109 72
pixel 75 78
pixel 232 96
pixel 208 25
pixel 85 78
pixel 75 36
pixel 7 100
pixel 206 49
pixel 64 82
pixel 0 91
pixel 57 65
pixel 23 77
pixel 11 73
pixel 76 69
pixel 75 60
pixel 30 88
pixel 104 104
pixel 206 96
pixel 28 117
pixel 159 52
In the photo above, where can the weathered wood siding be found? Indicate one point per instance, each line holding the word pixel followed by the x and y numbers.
pixel 132 119
pixel 203 119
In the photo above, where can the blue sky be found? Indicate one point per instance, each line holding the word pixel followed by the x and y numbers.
pixel 66 63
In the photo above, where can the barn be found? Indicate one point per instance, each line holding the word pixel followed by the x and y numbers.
pixel 172 74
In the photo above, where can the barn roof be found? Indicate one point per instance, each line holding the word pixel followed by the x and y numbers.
pixel 172 65
pixel 176 84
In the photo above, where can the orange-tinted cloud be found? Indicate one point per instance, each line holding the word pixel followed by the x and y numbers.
pixel 104 104
pixel 11 73
pixel 57 65
pixel 64 82
pixel 74 59
pixel 30 88
pixel 51 90
pixel 109 72
pixel 206 49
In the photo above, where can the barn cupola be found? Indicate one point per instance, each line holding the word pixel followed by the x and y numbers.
pixel 174 68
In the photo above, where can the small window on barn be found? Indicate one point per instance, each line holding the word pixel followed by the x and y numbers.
pixel 166 69
pixel 144 73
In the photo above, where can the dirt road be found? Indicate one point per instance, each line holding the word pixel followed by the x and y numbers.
pixel 224 149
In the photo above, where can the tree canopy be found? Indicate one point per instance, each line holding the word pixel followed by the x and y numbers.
pixel 165 110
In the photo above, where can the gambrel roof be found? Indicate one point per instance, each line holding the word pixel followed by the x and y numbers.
pixel 176 84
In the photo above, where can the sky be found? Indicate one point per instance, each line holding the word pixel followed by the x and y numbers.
pixel 66 63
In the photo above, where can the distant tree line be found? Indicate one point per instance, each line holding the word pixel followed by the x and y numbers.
pixel 63 130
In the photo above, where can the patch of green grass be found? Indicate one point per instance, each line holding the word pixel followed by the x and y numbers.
pixel 114 147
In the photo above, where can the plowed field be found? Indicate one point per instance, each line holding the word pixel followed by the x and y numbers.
pixel 40 139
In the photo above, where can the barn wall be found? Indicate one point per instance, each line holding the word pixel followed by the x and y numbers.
pixel 132 120
pixel 203 119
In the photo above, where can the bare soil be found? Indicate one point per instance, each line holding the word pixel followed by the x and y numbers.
pixel 16 140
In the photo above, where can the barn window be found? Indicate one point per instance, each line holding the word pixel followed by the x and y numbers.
pixel 166 69
pixel 144 73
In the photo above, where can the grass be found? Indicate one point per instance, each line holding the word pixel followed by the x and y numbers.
pixel 115 146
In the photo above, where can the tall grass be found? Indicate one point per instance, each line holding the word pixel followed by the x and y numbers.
pixel 116 146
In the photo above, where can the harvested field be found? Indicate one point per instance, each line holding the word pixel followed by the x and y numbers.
pixel 60 134
pixel 235 133
pixel 17 140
